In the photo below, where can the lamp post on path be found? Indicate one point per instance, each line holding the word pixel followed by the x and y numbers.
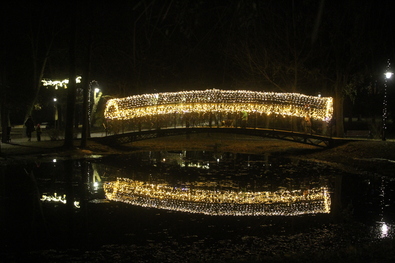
pixel 89 109
pixel 56 114
pixel 96 97
pixel 388 74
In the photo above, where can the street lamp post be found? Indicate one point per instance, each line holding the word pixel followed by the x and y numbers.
pixel 89 109
pixel 96 97
pixel 56 115
pixel 388 74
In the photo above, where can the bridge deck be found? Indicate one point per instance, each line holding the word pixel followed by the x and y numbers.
pixel 299 137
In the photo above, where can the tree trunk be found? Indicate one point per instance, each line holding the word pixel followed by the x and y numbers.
pixel 338 111
pixel 37 83
pixel 3 92
pixel 37 77
pixel 4 119
pixel 71 91
pixel 85 104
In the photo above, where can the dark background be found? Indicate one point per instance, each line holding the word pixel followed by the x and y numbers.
pixel 156 46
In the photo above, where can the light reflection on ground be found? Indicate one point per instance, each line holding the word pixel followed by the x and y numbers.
pixel 382 230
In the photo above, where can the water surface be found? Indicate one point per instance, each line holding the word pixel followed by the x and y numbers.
pixel 54 203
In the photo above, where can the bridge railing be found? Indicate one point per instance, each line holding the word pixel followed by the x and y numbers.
pixel 212 120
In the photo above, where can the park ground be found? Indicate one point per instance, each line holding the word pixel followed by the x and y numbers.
pixel 354 156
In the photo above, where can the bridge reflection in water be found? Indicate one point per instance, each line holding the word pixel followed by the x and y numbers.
pixel 219 202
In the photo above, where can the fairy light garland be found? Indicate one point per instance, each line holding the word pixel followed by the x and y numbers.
pixel 59 83
pixel 219 202
pixel 221 101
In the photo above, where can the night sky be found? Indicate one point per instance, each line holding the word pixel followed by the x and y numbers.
pixel 151 46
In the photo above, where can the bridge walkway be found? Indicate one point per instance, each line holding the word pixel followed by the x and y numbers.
pixel 298 137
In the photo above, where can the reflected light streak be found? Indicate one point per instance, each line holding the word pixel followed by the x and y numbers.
pixel 195 165
pixel 219 202
pixel 220 101
pixel 57 199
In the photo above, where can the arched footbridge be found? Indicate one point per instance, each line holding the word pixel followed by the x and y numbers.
pixel 299 137
pixel 287 116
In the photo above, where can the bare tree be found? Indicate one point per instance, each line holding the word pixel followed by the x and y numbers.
pixel 39 66
pixel 342 54
pixel 44 32
pixel 288 51
pixel 271 43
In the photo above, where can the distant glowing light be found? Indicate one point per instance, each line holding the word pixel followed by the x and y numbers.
pixel 384 230
pixel 220 101
pixel 388 75
pixel 219 202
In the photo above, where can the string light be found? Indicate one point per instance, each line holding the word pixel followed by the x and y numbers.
pixel 220 101
pixel 219 202
pixel 59 83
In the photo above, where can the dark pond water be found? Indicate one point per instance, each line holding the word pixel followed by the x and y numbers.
pixel 169 206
